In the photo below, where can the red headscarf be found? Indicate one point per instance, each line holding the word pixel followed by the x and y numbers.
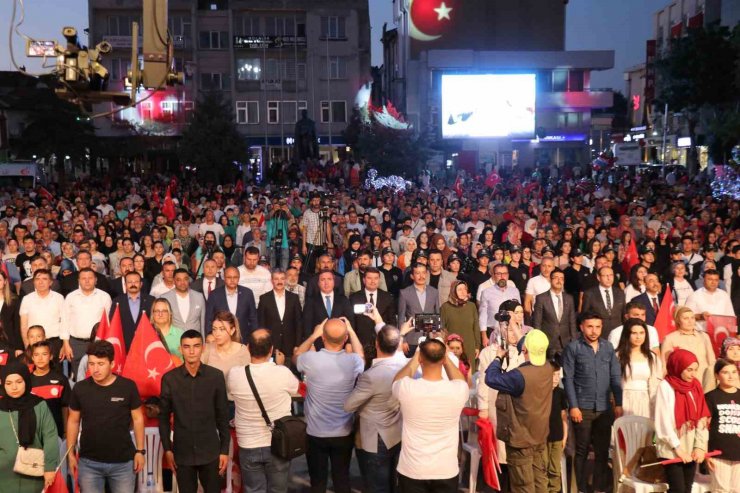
pixel 690 403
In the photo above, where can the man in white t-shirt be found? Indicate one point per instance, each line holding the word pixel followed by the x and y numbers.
pixel 210 224
pixel 275 384
pixel 430 411
pixel 254 276
pixel 538 284
pixel 636 309
pixel 710 300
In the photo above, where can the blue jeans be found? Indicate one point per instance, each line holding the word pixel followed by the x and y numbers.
pixel 263 472
pixel 93 475
pixel 379 469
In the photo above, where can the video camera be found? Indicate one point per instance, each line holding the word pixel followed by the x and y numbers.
pixel 428 322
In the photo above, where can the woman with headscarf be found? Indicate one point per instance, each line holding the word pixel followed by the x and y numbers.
pixel 731 350
pixel 25 420
pixel 460 316
pixel 681 419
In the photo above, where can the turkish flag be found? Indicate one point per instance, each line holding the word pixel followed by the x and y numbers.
pixel 489 458
pixel 113 333
pixel 664 323
pixel 59 485
pixel 147 360
pixel 720 327
pixel 169 206
pixel 4 358
pixel 493 179
pixel 431 18
pixel 239 188
pixel 48 391
pixel 457 187
pixel 630 258
pixel 44 193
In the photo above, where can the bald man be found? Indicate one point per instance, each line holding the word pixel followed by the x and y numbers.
pixel 330 375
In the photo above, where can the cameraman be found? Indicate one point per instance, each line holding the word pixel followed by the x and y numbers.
pixel 430 410
pixel 311 231
pixel 277 234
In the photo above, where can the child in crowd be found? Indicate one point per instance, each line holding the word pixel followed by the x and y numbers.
pixel 455 345
pixel 724 428
pixel 50 384
pixel 558 429
pixel 36 333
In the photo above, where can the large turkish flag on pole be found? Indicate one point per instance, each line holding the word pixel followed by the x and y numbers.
pixel 147 360
pixel 113 333
pixel 664 322
pixel 720 327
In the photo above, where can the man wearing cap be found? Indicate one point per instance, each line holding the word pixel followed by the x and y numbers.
pixel 479 275
pixel 393 275
pixel 524 424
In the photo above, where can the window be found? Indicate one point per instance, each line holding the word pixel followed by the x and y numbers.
pixel 273 112
pixel 181 25
pixel 213 40
pixel 336 68
pixel 145 110
pixel 559 80
pixel 119 68
pixel 249 25
pixel 333 111
pixel 249 69
pixel 570 120
pixel 214 80
pixel 575 80
pixel 332 27
pixel 247 112
pixel 291 110
pixel 293 70
pixel 272 69
pixel 280 26
pixel 120 25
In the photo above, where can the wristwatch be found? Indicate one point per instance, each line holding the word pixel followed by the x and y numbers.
pixel 142 452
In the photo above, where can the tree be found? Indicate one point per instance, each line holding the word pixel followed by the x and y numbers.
pixel 699 77
pixel 57 128
pixel 211 142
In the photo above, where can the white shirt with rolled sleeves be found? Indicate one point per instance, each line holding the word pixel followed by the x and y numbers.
pixel 46 312
pixel 81 312
pixel 430 411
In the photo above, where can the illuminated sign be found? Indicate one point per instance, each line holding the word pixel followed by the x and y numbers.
pixel 261 42
pixel 563 138
pixel 684 142
pixel 636 102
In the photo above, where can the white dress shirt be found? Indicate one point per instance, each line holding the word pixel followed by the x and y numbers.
pixel 280 302
pixel 331 299
pixel 603 291
pixel 558 306
pixel 183 304
pixel 46 312
pixel 81 311
pixel 375 296
pixel 232 300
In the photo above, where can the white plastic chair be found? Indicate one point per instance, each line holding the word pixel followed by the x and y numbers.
pixel 629 434
pixel 471 447
pixel 702 483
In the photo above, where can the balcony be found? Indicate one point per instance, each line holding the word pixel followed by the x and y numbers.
pixel 583 99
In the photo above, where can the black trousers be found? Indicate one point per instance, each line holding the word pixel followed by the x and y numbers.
pixel 334 450
pixel 188 476
pixel 680 477
pixel 408 485
pixel 594 430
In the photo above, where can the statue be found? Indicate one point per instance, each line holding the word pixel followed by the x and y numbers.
pixel 306 143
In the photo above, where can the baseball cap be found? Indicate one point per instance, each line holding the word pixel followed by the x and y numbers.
pixel 608 248
pixel 263 260
pixel 536 343
pixel 645 250
pixel 296 256
pixel 388 250
pixel 576 253
pixel 453 256
pixel 484 252
pixel 676 250
pixel 515 248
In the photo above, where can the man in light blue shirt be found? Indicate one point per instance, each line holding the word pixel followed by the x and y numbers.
pixel 330 375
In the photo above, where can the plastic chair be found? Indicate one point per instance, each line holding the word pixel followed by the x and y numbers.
pixel 702 483
pixel 629 434
pixel 470 446
pixel 150 477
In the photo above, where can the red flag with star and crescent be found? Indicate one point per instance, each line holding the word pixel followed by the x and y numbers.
pixel 664 322
pixel 457 187
pixel 719 327
pixel 493 179
pixel 431 19
pixel 113 333
pixel 147 360
pixel 168 209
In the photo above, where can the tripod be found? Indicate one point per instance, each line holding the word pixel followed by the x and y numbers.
pixel 322 242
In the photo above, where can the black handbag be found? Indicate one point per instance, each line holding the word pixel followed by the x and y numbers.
pixel 288 432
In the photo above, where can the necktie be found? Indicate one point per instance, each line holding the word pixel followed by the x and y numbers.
pixel 210 287
pixel 560 306
pixel 372 301
pixel 608 300
pixel 328 305
pixel 655 304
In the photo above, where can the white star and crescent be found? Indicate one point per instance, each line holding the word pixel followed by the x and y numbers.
pixel 443 11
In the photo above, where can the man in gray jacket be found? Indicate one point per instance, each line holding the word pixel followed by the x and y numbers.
pixel 188 306
pixel 380 419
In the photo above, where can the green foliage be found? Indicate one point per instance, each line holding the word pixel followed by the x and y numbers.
pixel 211 141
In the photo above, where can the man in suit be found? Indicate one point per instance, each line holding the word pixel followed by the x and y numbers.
pixel 379 298
pixel 131 305
pixel 234 298
pixel 84 261
pixel 604 300
pixel 325 262
pixel 118 284
pixel 440 279
pixel 209 281
pixel 379 412
pixel 651 298
pixel 280 311
pixel 555 315
pixel 188 306
pixel 419 297
pixel 326 304
pixel 353 279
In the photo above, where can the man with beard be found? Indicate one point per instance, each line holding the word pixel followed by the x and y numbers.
pixel 353 279
pixel 491 300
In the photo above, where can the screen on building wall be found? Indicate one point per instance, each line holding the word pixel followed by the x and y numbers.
pixel 488 106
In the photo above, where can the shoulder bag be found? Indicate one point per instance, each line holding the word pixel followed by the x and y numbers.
pixel 28 461
pixel 288 433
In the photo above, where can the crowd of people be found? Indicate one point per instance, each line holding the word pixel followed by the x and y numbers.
pixel 552 307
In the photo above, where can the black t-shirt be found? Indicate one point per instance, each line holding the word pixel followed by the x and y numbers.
pixel 55 390
pixel 559 404
pixel 106 418
pixel 475 279
pixel 724 429
pixel 434 280
pixel 23 262
pixel 393 280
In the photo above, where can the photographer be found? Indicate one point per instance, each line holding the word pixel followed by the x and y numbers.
pixel 277 234
pixel 205 251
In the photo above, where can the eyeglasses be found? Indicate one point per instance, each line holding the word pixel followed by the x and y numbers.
pixel 161 312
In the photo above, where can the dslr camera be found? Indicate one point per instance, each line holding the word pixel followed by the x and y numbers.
pixel 428 322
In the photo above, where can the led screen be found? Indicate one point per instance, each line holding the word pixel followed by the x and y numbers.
pixel 488 105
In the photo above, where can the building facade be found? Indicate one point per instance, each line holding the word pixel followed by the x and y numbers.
pixel 478 37
pixel 271 59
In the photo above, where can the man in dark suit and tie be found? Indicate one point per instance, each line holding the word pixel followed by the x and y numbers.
pixel 555 315
pixel 651 298
pixel 327 303
pixel 604 300
pixel 382 300
pixel 233 298
pixel 280 311
pixel 131 305
pixel 118 284
pixel 410 298
pixel 71 282
pixel 209 281
pixel 325 262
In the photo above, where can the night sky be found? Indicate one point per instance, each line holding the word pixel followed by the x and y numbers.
pixel 622 26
